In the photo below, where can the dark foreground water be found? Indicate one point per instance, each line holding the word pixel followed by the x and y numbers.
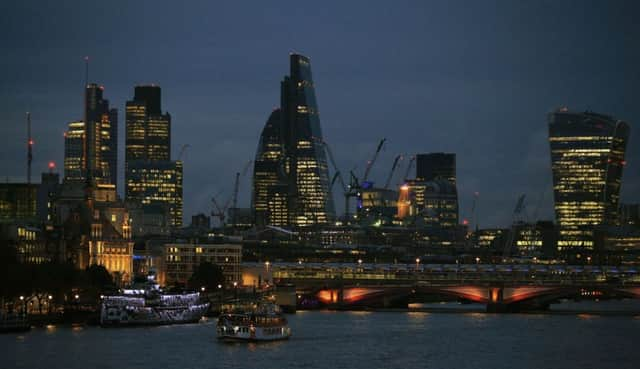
pixel 346 340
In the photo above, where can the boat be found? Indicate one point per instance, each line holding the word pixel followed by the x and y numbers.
pixel 265 323
pixel 151 307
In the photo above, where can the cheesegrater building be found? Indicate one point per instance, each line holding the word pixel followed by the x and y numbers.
pixel 291 174
pixel 587 160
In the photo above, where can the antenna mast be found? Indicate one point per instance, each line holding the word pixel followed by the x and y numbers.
pixel 29 148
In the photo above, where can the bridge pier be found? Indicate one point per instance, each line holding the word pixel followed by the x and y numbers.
pixel 495 303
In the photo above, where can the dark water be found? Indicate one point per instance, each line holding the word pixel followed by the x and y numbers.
pixel 346 340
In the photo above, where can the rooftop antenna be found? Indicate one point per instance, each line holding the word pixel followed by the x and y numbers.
pixel 86 71
pixel 29 148
pixel 85 145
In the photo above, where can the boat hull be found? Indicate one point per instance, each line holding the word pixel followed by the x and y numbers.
pixel 119 316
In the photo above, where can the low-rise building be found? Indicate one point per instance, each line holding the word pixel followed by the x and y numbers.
pixel 182 259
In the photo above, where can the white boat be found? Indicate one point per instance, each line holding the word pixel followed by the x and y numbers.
pixel 266 323
pixel 145 307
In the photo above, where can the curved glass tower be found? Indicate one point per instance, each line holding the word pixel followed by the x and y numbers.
pixel 587 159
pixel 302 172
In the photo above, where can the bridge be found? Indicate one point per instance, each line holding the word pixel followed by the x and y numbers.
pixel 502 288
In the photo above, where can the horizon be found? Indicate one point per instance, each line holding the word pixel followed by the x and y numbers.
pixel 479 82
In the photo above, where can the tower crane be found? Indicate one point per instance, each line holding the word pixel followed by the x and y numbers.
pixel 183 148
pixel 393 169
pixel 409 166
pixel 221 211
pixel 372 161
pixel 236 188
pixel 517 219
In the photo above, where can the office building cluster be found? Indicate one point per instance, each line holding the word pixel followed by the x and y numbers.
pixel 81 218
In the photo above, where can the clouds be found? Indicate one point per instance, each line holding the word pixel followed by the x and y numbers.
pixel 475 79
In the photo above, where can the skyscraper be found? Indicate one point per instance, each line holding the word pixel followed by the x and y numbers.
pixel 93 148
pixel 148 132
pixel 437 165
pixel 587 160
pixel 290 159
pixel 101 135
pixel 157 183
pixel 268 171
pixel 73 152
pixel 150 175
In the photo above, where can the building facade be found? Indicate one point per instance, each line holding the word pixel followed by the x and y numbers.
pixel 150 175
pixel 291 156
pixel 430 204
pixel 438 165
pixel 587 161
pixel 182 259
pixel 18 202
pixel 100 136
pixel 157 182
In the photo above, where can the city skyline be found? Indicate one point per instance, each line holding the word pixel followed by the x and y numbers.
pixel 485 111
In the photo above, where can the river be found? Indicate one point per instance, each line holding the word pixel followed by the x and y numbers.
pixel 324 339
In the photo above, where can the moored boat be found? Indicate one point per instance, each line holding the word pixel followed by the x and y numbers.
pixel 151 307
pixel 265 323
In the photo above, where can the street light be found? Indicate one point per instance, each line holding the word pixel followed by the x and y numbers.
pixel 477 259
pixel 202 288
pixel 417 263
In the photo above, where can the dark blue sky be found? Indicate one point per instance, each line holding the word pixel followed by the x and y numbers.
pixel 476 78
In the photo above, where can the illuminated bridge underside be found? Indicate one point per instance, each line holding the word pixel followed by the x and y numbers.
pixel 385 295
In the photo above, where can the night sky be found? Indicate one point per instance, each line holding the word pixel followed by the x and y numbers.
pixel 476 78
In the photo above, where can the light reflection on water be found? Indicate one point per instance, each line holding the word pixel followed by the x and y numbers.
pixel 356 340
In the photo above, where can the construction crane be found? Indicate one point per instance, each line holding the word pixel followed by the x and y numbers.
pixel 372 161
pixel 219 211
pixel 236 188
pixel 335 166
pixel 182 150
pixel 517 220
pixel 409 166
pixel 338 176
pixel 393 169
pixel 333 181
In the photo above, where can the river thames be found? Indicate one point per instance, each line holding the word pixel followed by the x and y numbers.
pixel 324 339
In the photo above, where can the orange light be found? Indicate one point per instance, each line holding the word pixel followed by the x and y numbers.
pixel 30 142
pixel 404 188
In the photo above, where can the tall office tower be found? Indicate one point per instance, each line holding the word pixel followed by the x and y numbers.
pixel 148 133
pixel 102 136
pixel 268 171
pixel 295 159
pixel 73 152
pixel 157 183
pixel 150 175
pixel 310 201
pixel 437 165
pixel 587 159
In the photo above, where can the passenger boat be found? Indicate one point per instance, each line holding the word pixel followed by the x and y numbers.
pixel 151 307
pixel 265 323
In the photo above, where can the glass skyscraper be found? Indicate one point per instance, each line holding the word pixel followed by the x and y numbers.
pixel 150 175
pixel 587 160
pixel 93 148
pixel 437 165
pixel 291 165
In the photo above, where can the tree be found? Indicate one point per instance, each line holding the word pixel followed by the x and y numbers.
pixel 207 275
pixel 99 278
